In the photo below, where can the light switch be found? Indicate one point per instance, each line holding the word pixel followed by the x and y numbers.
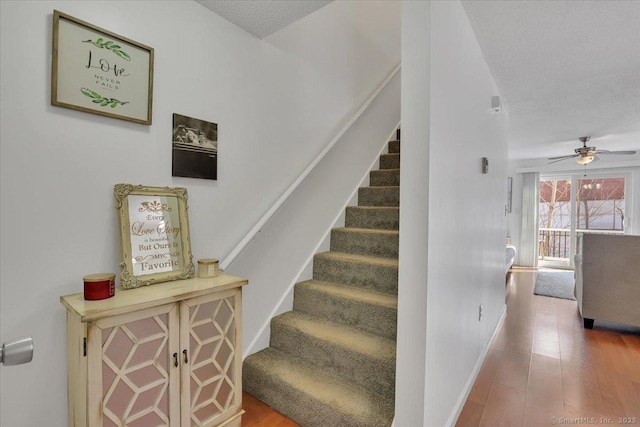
pixel 485 165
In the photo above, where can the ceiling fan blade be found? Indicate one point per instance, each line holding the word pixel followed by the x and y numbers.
pixel 561 158
pixel 618 152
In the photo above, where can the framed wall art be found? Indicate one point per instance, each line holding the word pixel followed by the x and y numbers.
pixel 96 71
pixel 154 235
pixel 195 148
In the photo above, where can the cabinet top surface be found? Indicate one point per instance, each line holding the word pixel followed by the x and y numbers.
pixel 127 300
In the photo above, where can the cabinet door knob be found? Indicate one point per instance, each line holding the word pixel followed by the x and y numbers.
pixel 175 359
pixel 185 356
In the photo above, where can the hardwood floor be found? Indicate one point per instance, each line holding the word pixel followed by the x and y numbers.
pixel 543 364
pixel 259 414
pixel 545 369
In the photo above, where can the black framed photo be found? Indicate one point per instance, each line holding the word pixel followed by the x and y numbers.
pixel 195 148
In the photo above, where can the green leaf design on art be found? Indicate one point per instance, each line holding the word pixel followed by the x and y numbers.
pixel 122 54
pixel 96 98
pixel 110 46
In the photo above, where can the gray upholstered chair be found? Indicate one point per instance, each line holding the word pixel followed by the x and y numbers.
pixel 608 279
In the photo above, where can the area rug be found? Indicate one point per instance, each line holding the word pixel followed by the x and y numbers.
pixel 554 283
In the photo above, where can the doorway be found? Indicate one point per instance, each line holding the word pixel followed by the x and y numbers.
pixel 572 205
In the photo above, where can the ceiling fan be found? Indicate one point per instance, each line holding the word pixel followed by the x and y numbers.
pixel 586 155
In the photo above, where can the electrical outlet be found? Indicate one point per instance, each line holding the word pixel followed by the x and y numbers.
pixel 480 313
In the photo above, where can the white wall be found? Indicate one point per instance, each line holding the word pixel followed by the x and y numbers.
pixel 347 47
pixel 465 227
pixel 275 112
pixel 276 259
pixel 413 259
pixel 355 39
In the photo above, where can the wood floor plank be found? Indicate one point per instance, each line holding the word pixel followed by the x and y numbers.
pixel 633 344
pixel 514 369
pixel 580 389
pixel 626 394
pixel 636 387
pixel 504 407
pixel 482 386
pixel 544 388
pixel 618 355
pixel 574 349
pixel 588 415
pixel 545 339
pixel 571 372
pixel 540 416
pixel 516 336
pixel 259 414
pixel 470 415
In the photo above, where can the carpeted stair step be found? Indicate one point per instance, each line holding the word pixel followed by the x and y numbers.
pixel 379 196
pixel 331 361
pixel 366 359
pixel 390 161
pixel 369 311
pixel 378 217
pixel 384 177
pixel 362 241
pixel 310 396
pixel 360 271
pixel 394 146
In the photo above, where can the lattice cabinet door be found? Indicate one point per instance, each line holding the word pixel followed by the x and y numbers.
pixel 211 345
pixel 164 355
pixel 133 372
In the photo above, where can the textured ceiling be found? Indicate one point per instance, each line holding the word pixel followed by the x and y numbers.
pixel 564 69
pixel 263 17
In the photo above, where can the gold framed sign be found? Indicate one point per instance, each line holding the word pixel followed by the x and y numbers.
pixel 154 235
pixel 96 71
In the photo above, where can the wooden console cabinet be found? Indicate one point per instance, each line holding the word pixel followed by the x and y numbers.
pixel 168 354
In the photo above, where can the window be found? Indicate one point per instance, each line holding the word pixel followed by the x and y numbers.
pixel 555 219
pixel 571 205
pixel 600 204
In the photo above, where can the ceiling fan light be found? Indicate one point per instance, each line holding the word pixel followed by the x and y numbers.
pixel 585 160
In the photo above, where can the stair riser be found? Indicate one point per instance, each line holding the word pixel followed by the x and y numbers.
pixel 384 177
pixel 375 374
pixel 361 315
pixel 394 146
pixel 373 277
pixel 390 161
pixel 379 219
pixel 372 244
pixel 379 196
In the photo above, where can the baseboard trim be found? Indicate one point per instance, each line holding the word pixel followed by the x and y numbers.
pixel 457 410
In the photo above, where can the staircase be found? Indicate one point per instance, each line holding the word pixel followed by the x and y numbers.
pixel 332 360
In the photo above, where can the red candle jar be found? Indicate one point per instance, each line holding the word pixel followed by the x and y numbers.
pixel 99 286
